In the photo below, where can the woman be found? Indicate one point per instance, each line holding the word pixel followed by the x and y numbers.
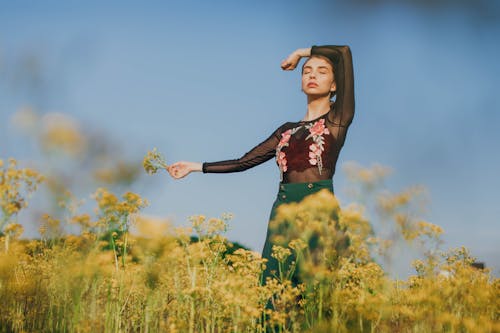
pixel 306 151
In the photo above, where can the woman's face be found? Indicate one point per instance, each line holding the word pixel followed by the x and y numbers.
pixel 317 77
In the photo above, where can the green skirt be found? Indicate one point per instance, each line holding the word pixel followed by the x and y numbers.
pixel 293 192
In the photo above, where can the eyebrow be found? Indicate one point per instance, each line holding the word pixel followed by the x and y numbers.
pixel 318 67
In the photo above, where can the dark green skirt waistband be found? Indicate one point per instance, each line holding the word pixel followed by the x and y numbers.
pixel 295 192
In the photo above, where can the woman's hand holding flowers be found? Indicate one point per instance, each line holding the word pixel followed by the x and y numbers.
pixel 181 169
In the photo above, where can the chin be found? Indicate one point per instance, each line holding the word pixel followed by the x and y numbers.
pixel 316 94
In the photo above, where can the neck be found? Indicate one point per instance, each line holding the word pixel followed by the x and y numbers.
pixel 317 106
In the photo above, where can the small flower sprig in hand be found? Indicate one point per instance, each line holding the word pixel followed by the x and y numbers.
pixel 154 161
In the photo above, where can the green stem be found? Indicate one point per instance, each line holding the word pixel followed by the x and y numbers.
pixel 114 251
pixel 124 249
pixel 320 305
pixel 280 270
pixel 5 219
pixel 192 274
pixel 7 237
pixel 191 316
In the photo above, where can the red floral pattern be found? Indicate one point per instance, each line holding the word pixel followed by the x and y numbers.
pixel 281 156
pixel 316 132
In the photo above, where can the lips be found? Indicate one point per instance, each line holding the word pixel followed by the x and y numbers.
pixel 312 84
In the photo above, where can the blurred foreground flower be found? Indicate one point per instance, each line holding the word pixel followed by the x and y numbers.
pixel 62 133
pixel 16 186
pixel 154 161
pixel 121 172
pixel 25 119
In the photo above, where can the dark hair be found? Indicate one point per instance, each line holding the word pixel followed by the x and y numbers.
pixel 328 60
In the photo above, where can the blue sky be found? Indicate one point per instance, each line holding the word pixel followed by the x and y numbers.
pixel 201 81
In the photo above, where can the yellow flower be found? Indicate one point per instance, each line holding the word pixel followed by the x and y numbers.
pixel 429 229
pixel 83 220
pixel 60 132
pixel 216 226
pixel 297 244
pixel 280 253
pixel 14 229
pixel 153 161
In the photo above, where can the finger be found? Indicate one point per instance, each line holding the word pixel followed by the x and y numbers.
pixel 174 173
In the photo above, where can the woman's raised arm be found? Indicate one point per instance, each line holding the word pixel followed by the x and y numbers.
pixel 290 63
pixel 341 58
pixel 344 79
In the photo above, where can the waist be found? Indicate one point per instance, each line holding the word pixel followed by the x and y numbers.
pixel 294 192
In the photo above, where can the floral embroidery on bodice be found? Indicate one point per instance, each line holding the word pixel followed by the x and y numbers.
pixel 293 149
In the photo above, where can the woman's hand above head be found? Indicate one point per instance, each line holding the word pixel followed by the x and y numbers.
pixel 182 168
pixel 290 63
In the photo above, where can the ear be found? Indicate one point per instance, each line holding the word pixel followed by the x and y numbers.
pixel 333 87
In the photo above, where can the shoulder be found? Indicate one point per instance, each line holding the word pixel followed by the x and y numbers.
pixel 283 128
pixel 288 125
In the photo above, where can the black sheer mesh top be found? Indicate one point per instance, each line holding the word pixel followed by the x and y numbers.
pixel 306 151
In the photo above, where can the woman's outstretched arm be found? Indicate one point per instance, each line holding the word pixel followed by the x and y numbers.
pixel 259 154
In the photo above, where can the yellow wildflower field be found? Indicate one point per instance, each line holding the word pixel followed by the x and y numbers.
pixel 193 279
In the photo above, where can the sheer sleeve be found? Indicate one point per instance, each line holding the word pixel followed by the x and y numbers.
pixel 342 111
pixel 259 154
